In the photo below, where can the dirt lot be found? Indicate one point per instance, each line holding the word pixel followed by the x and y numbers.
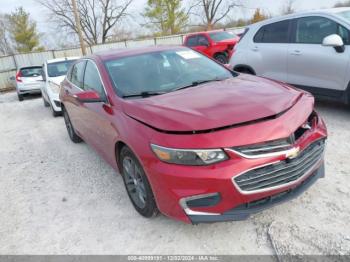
pixel 57 197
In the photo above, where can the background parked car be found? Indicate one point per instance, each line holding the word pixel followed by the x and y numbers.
pixel 54 71
pixel 216 44
pixel 28 81
pixel 309 50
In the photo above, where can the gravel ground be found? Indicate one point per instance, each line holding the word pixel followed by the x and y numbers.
pixel 57 197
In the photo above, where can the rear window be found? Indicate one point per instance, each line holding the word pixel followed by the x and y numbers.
pixel 220 36
pixel 273 33
pixel 31 71
pixel 191 41
pixel 59 68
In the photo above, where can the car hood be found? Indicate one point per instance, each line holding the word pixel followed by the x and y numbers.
pixel 56 80
pixel 213 105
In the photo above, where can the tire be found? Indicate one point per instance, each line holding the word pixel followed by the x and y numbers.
pixel 136 184
pixel 46 104
pixel 20 97
pixel 221 58
pixel 55 113
pixel 245 70
pixel 70 129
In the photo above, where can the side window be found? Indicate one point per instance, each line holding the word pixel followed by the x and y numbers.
pixel 273 33
pixel 312 30
pixel 202 40
pixel 92 80
pixel 345 34
pixel 191 41
pixel 77 74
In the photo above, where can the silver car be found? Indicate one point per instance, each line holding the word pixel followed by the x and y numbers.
pixel 54 71
pixel 28 81
pixel 310 50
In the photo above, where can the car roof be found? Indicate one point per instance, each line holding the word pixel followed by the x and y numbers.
pixel 68 58
pixel 205 32
pixel 125 52
pixel 331 11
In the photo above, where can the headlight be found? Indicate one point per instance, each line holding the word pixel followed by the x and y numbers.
pixel 189 157
pixel 54 88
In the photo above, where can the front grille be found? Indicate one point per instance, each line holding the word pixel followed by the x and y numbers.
pixel 281 172
pixel 276 146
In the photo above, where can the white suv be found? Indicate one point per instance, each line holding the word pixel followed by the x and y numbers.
pixel 310 50
pixel 53 73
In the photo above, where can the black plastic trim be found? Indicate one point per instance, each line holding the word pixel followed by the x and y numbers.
pixel 328 94
pixel 208 201
pixel 242 212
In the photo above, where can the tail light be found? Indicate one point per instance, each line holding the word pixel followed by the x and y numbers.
pixel 19 76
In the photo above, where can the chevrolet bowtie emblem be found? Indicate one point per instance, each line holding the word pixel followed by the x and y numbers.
pixel 293 153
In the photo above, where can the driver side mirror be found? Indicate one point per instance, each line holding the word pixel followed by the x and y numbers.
pixel 89 97
pixel 334 41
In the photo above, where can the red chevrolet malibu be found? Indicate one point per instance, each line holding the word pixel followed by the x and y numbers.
pixel 191 138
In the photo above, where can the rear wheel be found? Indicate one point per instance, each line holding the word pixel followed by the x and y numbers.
pixel 136 184
pixel 221 58
pixel 70 129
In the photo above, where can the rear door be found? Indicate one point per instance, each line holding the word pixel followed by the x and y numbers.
pixel 268 51
pixel 311 65
pixel 73 86
pixel 203 45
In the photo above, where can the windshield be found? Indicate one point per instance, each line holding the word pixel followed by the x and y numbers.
pixel 163 71
pixel 31 71
pixel 58 68
pixel 345 15
pixel 220 36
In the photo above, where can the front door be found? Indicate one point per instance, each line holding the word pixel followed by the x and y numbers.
pixel 310 64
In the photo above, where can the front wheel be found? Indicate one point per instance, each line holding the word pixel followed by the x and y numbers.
pixel 136 184
pixel 221 58
pixel 20 97
pixel 70 129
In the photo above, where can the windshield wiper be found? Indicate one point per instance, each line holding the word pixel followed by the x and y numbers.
pixel 144 94
pixel 197 83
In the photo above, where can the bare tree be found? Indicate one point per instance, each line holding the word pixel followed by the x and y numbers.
pixel 212 12
pixel 288 7
pixel 6 46
pixel 97 17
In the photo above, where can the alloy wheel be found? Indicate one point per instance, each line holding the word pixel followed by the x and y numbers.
pixel 134 182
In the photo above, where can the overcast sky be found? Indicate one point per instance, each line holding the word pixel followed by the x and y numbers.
pixel 271 7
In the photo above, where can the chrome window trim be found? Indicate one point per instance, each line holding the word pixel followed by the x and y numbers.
pixel 190 212
pixel 274 154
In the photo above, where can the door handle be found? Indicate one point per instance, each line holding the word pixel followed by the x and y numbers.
pixel 296 52
pixel 255 48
